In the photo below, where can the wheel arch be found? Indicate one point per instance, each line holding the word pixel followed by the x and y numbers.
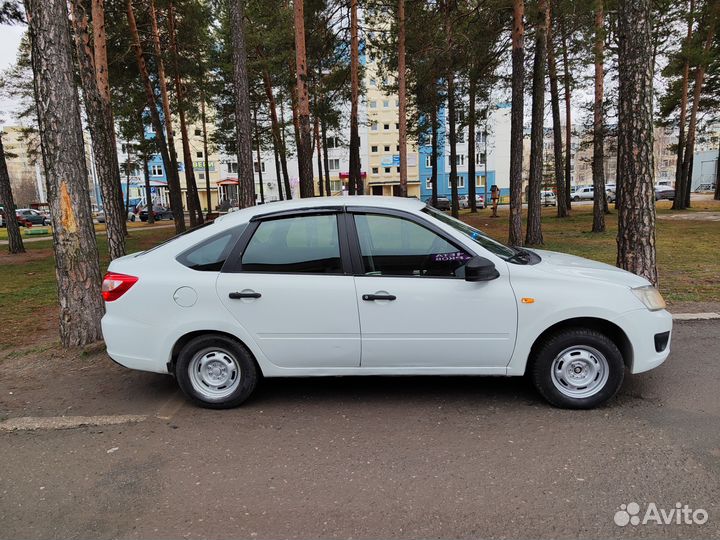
pixel 186 338
pixel 608 328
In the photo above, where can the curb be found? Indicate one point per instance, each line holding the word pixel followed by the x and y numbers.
pixel 695 316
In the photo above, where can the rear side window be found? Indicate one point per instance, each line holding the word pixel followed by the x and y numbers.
pixel 296 245
pixel 210 254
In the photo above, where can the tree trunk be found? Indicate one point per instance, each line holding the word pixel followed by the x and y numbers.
pixel 15 242
pixel 243 129
pixel 318 148
pixel 568 115
pixel 472 151
pixel 686 184
pixel 173 181
pixel 283 153
pixel 717 178
pixel 679 202
pixel 165 100
pixel 100 122
pixel 533 235
pixel 560 187
pixel 196 215
pixel 402 98
pixel 355 184
pixel 598 163
pixel 77 265
pixel 454 206
pixel 636 214
pixel 303 101
pixel 323 131
pixel 259 158
pixel 276 155
pixel 516 123
pixel 148 190
pixel 203 117
pixel 434 153
pixel 275 127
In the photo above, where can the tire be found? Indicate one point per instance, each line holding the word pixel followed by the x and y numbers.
pixel 231 367
pixel 586 349
pixel 576 198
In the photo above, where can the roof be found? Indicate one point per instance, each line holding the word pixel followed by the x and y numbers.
pixel 397 203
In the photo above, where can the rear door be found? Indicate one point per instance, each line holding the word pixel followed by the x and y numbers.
pixel 289 283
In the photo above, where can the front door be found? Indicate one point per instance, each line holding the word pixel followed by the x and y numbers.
pixel 291 292
pixel 417 310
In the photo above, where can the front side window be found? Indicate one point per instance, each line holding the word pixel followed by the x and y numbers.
pixel 394 246
pixel 296 245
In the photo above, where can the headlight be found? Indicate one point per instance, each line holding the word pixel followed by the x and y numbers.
pixel 650 297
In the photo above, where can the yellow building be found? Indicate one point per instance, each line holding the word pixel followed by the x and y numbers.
pixel 383 135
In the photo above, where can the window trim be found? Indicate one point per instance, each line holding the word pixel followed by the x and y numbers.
pixel 233 263
pixel 358 267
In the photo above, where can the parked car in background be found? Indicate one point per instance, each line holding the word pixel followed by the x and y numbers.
pixel 160 213
pixel 443 203
pixel 583 193
pixel 32 216
pixel 464 201
pixel 375 286
pixel 705 186
pixel 664 193
pixel 548 198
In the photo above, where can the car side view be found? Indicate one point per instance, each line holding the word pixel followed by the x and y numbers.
pixel 375 286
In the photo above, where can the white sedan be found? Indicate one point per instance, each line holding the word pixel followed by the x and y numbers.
pixel 375 286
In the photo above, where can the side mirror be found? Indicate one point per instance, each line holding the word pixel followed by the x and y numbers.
pixel 480 269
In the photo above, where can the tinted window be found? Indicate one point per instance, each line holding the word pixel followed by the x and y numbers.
pixel 210 254
pixel 307 244
pixel 392 246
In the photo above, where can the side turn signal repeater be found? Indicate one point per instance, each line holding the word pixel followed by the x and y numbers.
pixel 527 300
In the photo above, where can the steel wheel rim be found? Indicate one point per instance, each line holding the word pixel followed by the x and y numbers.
pixel 580 371
pixel 214 373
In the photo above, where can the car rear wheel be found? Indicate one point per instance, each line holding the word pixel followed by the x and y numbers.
pixel 216 372
pixel 576 198
pixel 577 368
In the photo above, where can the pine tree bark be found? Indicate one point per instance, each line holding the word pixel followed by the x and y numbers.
pixel 636 213
pixel 77 265
pixel 533 235
pixel 717 177
pixel 174 192
pixel 686 184
pixel 568 114
pixel 472 151
pixel 203 117
pixel 259 157
pixel 452 120
pixel 323 132
pixel 560 187
pixel 516 123
pixel 243 127
pixel 148 187
pixel 286 178
pixel 355 184
pixel 303 101
pixel 193 198
pixel 100 123
pixel 402 98
pixel 434 154
pixel 598 163
pixel 15 242
pixel 679 202
pixel 318 149
pixel 276 155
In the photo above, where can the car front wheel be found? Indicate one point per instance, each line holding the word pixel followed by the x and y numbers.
pixel 577 368
pixel 216 372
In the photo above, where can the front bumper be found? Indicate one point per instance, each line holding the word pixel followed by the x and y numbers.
pixel 645 329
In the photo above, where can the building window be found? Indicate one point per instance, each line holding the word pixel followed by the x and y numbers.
pixel 156 170
pixel 428 162
pixel 459 160
pixel 373 104
pixel 386 127
pixel 386 103
pixel 460 182
pixel 397 126
pixel 201 176
pixel 334 164
pixel 398 169
pixel 481 136
pixel 461 136
pixel 387 147
pixel 397 147
pixel 232 167
pixel 480 180
pixel 375 170
pixel 199 154
pixel 260 167
pixel 374 126
pixel 334 142
pixel 387 170
pixel 397 102
pixel 198 133
pixel 480 158
pixel 373 82
pixel 428 183
pixel 373 148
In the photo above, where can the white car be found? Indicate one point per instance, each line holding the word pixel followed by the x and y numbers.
pixel 548 198
pixel 375 286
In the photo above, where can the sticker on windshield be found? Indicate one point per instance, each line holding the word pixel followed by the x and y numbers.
pixel 455 256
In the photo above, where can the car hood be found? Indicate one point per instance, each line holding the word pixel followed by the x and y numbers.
pixel 573 266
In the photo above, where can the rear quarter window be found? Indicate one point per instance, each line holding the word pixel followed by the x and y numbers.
pixel 209 255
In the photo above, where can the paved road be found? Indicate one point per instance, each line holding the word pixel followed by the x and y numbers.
pixel 374 458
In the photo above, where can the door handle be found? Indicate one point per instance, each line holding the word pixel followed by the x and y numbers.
pixel 371 297
pixel 239 295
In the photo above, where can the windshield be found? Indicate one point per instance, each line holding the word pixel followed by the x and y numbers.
pixel 504 252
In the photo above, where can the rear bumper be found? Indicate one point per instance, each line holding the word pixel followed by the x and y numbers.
pixel 646 331
pixel 122 338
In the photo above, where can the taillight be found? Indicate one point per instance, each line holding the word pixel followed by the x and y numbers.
pixel 115 285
